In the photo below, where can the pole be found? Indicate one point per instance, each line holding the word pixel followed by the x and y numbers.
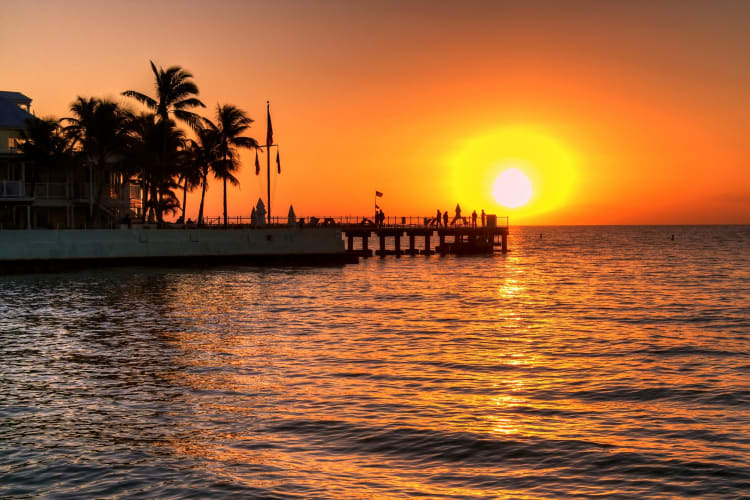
pixel 268 163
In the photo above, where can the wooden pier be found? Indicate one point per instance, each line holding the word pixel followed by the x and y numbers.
pixel 459 239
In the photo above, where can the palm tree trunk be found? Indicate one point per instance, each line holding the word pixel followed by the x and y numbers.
pixel 225 201
pixel 159 205
pixel 184 200
pixel 203 197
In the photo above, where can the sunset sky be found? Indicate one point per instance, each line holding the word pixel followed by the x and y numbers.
pixel 618 112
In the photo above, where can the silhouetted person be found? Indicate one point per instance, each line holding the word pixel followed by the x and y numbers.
pixel 483 218
pixel 438 218
pixel 474 218
pixel 445 219
pixel 458 214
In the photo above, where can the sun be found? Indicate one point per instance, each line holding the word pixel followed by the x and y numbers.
pixel 512 189
pixel 519 170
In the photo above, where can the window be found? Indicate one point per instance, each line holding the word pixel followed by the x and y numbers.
pixel 14 144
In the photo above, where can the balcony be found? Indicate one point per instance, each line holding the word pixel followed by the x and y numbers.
pixel 48 190
pixel 12 189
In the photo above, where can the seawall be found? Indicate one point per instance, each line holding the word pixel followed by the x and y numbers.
pixel 43 250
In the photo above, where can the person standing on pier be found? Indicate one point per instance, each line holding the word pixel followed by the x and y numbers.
pixel 474 218
pixel 438 218
pixel 458 215
pixel 483 217
pixel 445 219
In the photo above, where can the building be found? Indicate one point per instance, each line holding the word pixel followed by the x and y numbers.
pixel 38 196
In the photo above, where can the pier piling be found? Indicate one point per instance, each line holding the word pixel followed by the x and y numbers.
pixel 460 239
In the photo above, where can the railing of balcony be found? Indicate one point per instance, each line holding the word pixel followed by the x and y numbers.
pixel 64 191
pixel 12 189
pixel 47 190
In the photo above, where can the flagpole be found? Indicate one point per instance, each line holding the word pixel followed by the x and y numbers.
pixel 268 162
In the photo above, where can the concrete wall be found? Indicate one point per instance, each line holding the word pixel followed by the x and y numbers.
pixel 20 245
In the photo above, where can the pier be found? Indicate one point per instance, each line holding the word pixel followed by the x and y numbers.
pixel 463 239
pixel 425 236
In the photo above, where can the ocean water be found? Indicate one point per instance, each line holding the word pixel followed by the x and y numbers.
pixel 589 361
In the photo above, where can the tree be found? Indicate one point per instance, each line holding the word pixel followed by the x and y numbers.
pixel 175 93
pixel 158 149
pixel 100 132
pixel 190 175
pixel 202 153
pixel 231 122
pixel 45 146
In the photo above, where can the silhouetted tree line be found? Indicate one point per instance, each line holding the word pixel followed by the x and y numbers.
pixel 102 140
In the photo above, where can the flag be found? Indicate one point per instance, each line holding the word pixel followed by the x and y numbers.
pixel 257 165
pixel 269 128
pixel 278 163
pixel 378 194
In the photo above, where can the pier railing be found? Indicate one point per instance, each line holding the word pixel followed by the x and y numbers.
pixel 353 220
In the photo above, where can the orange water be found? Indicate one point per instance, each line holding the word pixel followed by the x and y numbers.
pixel 588 361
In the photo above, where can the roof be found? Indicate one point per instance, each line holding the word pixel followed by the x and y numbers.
pixel 16 98
pixel 11 116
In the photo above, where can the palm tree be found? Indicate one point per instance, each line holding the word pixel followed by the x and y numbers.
pixel 175 91
pixel 45 146
pixel 203 154
pixel 100 132
pixel 158 150
pixel 231 122
pixel 190 174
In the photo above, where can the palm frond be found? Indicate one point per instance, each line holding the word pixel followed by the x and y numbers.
pixel 244 142
pixel 142 98
pixel 192 119
pixel 189 103
pixel 234 181
pixel 183 88
pixel 207 124
pixel 153 68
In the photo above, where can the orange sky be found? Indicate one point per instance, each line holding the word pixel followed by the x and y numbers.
pixel 621 112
